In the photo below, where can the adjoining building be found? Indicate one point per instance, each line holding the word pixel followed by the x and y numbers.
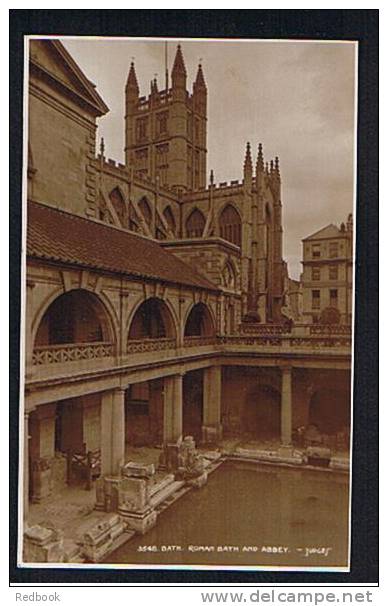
pixel 327 277
pixel 154 298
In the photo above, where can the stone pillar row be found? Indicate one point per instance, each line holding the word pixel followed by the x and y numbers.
pixel 112 431
pixel 286 406
pixel 113 417
pixel 212 384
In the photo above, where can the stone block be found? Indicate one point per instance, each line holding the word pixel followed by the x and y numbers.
pixel 43 545
pixel 211 434
pixel 98 541
pixel 198 481
pixel 140 522
pixel 138 470
pixel 133 494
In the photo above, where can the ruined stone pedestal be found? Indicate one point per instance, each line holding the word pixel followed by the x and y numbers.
pixel 211 434
pixel 98 542
pixel 134 505
pixel 129 496
pixel 43 545
pixel 183 460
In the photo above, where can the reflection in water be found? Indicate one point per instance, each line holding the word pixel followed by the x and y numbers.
pixel 250 509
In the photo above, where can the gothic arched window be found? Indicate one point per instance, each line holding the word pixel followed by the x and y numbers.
pixel 168 215
pixel 146 210
pixel 195 224
pixel 118 203
pixel 230 225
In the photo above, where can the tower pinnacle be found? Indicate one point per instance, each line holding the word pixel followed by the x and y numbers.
pixel 260 160
pixel 248 159
pixel 132 84
pixel 179 69
pixel 199 80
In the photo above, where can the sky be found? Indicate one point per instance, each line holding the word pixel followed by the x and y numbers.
pixel 295 97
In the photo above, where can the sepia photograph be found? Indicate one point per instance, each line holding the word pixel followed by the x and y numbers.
pixel 187 303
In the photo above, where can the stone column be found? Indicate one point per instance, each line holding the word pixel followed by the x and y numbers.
pixel 172 408
pixel 211 428
pixel 286 410
pixel 118 430
pixel 29 345
pixel 26 462
pixel 112 432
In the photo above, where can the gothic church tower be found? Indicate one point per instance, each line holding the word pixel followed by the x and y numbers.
pixel 166 132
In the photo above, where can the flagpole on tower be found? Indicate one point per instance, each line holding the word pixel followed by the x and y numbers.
pixel 166 64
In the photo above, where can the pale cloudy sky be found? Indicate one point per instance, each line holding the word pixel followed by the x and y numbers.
pixel 297 98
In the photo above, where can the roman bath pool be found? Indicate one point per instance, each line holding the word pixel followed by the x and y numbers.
pixel 250 515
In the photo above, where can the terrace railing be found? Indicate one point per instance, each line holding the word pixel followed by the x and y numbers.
pixel 71 352
pixel 146 345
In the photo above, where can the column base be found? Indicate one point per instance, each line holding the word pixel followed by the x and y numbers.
pixel 41 480
pixel 211 434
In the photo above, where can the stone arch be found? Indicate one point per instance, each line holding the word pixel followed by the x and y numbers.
pixel 199 321
pixel 229 275
pixel 195 224
pixel 75 316
pixel 230 225
pixel 329 410
pixel 170 219
pixel 146 210
pixel 261 412
pixel 118 202
pixel 152 318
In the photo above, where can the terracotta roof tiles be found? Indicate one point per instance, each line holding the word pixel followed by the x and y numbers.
pixel 59 236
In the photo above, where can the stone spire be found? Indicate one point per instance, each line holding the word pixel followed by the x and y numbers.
pixel 248 170
pixel 178 74
pixel 248 160
pixel 277 168
pixel 260 160
pixel 132 85
pixel 199 83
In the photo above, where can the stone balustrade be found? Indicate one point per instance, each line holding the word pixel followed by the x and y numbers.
pixel 198 341
pixel 273 340
pixel 146 345
pixel 72 352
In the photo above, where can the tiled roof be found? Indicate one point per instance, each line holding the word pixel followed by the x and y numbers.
pixel 56 235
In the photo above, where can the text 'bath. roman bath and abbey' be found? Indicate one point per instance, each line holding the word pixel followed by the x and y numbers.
pixel 187 378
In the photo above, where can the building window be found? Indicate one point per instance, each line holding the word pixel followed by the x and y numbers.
pixel 333 250
pixel 333 297
pixel 333 272
pixel 315 273
pixel 161 123
pixel 316 301
pixel 141 161
pixel 195 224
pixel 230 225
pixel 141 128
pixel 316 251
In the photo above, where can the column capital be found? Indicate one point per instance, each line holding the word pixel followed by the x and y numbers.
pixel 119 390
pixel 286 369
